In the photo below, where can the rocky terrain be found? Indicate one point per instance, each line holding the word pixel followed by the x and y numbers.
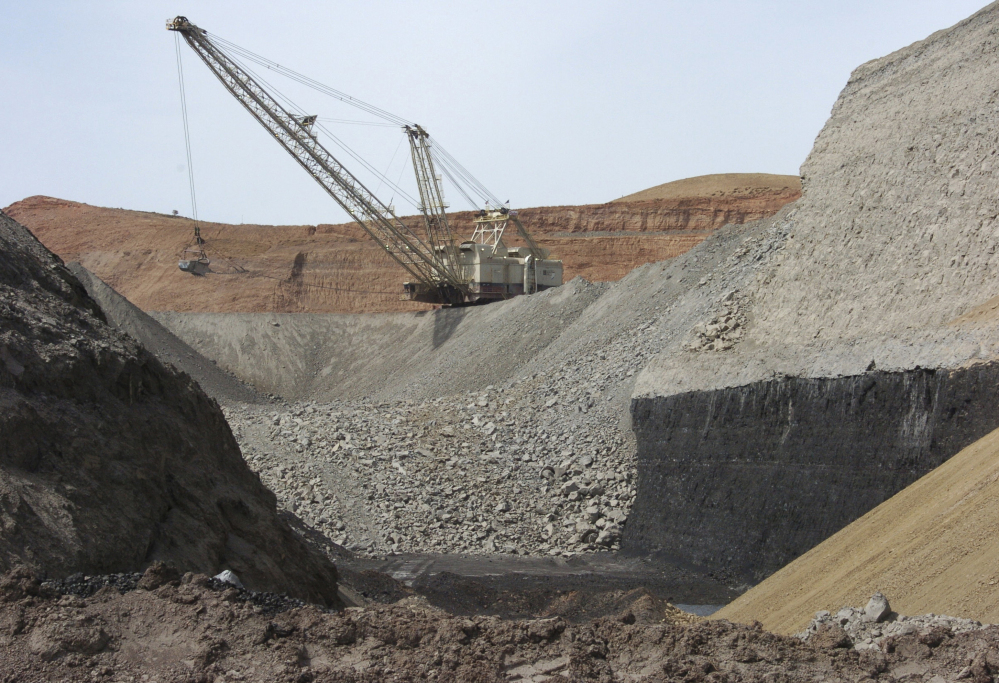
pixel 337 268
pixel 186 629
pixel 534 445
pixel 718 413
pixel 762 350
pixel 109 459
pixel 876 627
pixel 449 475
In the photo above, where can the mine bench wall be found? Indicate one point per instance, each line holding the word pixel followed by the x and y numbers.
pixel 741 481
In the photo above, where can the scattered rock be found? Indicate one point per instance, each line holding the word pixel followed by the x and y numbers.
pixel 877 609
pixel 869 628
pixel 228 577
pixel 157 575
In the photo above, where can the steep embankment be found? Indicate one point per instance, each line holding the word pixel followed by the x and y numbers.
pixel 126 317
pixel 930 548
pixel 759 417
pixel 110 460
pixel 337 268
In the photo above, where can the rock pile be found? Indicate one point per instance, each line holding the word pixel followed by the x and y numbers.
pixel 468 474
pixel 539 462
pixel 724 330
pixel 871 627
pixel 499 429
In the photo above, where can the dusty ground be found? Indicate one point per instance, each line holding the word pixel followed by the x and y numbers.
pixel 337 268
pixel 930 548
pixel 189 630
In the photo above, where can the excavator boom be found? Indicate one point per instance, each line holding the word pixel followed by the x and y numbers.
pixel 294 133
pixel 444 271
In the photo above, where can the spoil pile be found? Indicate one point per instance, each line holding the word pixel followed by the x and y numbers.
pixel 109 459
pixel 454 475
pixel 893 238
pixel 931 547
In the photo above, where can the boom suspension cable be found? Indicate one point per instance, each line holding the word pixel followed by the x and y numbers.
pixel 187 146
pixel 458 176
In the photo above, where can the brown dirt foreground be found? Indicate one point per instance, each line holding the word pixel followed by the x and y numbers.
pixel 187 631
pixel 930 548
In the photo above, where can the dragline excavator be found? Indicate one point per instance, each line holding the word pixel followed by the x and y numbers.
pixel 443 270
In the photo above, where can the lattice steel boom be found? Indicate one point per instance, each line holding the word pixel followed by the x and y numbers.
pixel 294 133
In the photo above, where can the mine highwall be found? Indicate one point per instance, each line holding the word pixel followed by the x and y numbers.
pixel 743 480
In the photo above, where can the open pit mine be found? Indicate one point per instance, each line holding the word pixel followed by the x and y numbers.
pixel 752 434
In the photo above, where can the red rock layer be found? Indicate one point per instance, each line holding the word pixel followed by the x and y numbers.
pixel 337 268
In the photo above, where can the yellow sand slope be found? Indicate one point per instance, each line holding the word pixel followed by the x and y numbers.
pixel 933 547
pixel 720 185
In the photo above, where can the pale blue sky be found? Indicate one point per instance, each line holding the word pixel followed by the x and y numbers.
pixel 545 102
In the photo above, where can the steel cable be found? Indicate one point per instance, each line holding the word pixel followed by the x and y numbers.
pixel 187 146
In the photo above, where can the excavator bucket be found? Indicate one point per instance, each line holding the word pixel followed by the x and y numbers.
pixel 194 266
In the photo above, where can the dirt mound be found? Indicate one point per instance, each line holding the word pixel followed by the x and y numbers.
pixel 110 460
pixel 338 268
pixel 741 185
pixel 128 318
pixel 186 630
pixel 930 548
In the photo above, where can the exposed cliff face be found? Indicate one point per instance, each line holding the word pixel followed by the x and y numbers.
pixel 931 548
pixel 110 460
pixel 337 268
pixel 887 260
pixel 748 478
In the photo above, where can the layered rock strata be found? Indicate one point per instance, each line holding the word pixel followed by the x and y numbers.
pixel 338 268
pixel 748 478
